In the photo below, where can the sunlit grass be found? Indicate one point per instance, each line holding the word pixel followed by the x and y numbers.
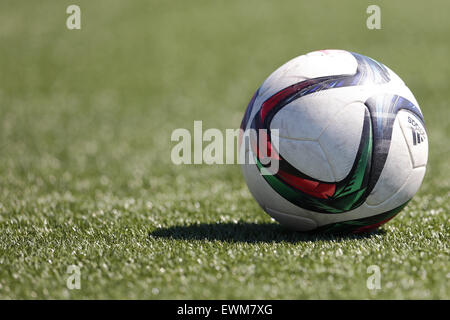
pixel 85 171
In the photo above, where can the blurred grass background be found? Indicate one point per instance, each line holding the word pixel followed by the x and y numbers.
pixel 85 172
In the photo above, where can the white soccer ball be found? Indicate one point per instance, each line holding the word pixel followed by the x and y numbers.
pixel 352 145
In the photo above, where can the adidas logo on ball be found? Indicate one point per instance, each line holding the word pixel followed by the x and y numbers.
pixel 417 137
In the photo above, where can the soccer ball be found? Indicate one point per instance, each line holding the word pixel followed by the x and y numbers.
pixel 352 146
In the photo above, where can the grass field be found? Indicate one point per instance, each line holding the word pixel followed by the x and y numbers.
pixel 85 170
